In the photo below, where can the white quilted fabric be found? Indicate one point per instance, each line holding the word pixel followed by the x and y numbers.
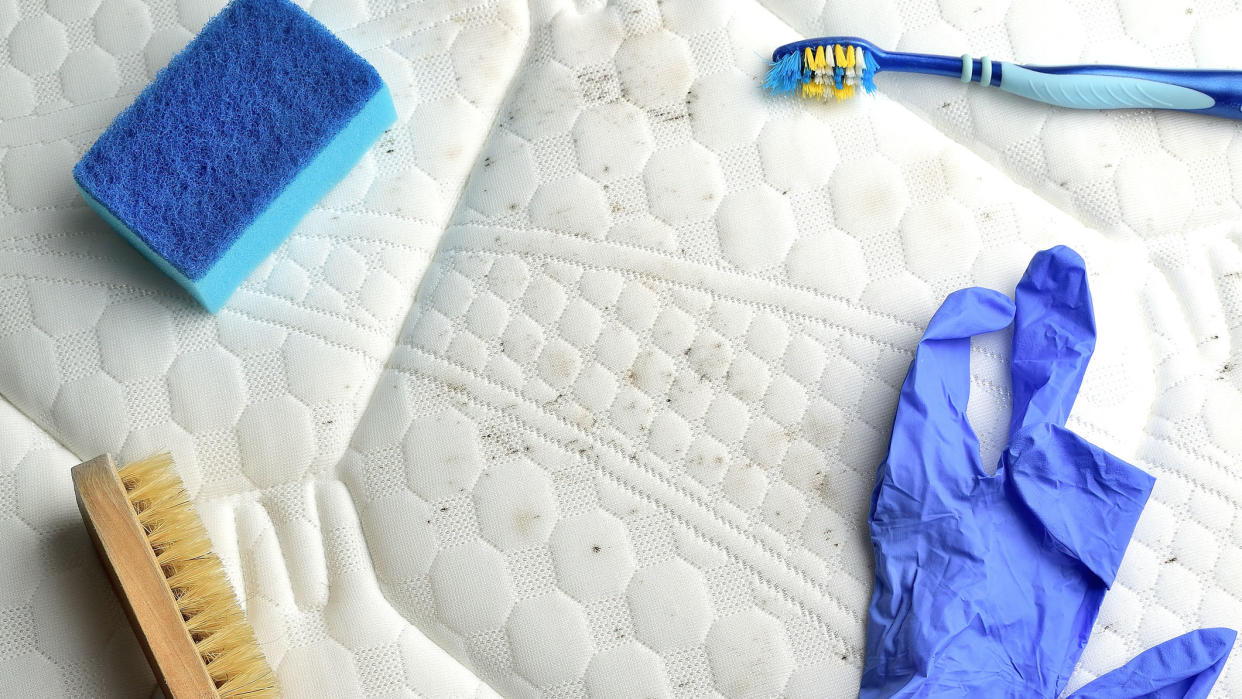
pixel 621 441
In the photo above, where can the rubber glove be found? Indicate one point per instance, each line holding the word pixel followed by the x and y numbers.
pixel 988 585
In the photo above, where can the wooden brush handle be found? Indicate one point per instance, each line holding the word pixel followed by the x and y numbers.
pixel 139 582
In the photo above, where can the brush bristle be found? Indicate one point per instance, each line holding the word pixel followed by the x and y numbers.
pixel 831 71
pixel 196 578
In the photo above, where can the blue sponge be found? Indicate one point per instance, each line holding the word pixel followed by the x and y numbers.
pixel 220 157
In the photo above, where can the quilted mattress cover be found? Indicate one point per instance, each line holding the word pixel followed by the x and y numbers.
pixel 578 383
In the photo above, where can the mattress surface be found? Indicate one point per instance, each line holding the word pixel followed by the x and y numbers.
pixel 578 383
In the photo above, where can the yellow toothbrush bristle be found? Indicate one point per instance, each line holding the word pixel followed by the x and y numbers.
pixel 208 605
pixel 823 71
pixel 820 84
pixel 849 56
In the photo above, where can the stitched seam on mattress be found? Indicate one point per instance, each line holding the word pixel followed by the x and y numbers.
pixel 147 294
pixel 411 309
pixel 311 494
pixel 144 292
pixel 443 270
pixel 357 209
pixel 303 331
pixel 730 297
pixel 713 266
pixel 1009 177
pixel 640 275
pixel 638 490
pixel 482 4
pixel 851 416
pixel 394 333
pixel 993 387
pixel 352 210
pixel 362 327
pixel 488 381
pixel 438 270
pixel 495 6
pixel 64 254
pixel 492 127
pixel 853 526
pixel 246 288
pixel 41 428
pixel 668 257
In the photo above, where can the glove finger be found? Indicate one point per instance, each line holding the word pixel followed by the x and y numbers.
pixel 1185 667
pixel 931 437
pixel 1086 500
pixel 1054 336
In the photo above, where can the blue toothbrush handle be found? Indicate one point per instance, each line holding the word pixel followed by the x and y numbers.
pixel 1214 92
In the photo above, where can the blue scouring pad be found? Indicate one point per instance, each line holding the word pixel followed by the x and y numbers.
pixel 220 157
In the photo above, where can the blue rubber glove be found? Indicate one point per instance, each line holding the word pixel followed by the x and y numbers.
pixel 988 585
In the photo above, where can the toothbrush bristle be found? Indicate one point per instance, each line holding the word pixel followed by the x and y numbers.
pixel 786 75
pixel 837 71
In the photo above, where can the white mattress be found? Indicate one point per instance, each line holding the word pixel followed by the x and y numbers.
pixel 621 440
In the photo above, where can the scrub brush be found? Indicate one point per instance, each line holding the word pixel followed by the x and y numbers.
pixel 840 67
pixel 172 586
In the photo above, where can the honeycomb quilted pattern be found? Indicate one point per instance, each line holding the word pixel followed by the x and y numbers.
pixel 89 332
pixel 1125 173
pixel 621 439
pixel 51 582
pixel 258 402
pixel 63 634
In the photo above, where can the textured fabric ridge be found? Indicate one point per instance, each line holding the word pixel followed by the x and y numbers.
pixel 64 634
pixel 298 348
pixel 577 385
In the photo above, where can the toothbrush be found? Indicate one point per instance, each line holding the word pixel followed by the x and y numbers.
pixel 841 67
